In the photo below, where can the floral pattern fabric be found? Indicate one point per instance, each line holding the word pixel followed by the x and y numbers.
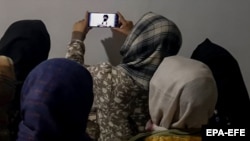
pixel 120 105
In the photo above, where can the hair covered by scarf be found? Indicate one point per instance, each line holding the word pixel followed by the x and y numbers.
pixel 27 43
pixel 182 94
pixel 55 102
pixel 152 38
pixel 230 83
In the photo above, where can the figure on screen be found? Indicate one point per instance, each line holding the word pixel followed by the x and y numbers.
pixel 105 21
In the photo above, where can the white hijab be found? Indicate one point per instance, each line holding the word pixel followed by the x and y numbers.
pixel 182 94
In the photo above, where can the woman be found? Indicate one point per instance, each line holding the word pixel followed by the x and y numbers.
pixel 7 90
pixel 27 43
pixel 121 91
pixel 56 99
pixel 232 91
pixel 182 98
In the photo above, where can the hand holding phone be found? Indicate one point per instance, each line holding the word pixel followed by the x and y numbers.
pixel 82 27
pixel 103 20
pixel 126 26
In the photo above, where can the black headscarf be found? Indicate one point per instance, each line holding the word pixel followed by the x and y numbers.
pixel 27 43
pixel 233 99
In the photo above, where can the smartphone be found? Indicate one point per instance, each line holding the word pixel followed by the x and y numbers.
pixel 106 20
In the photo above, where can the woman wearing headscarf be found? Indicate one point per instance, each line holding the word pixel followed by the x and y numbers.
pixel 182 98
pixel 121 92
pixel 232 91
pixel 27 43
pixel 7 90
pixel 56 99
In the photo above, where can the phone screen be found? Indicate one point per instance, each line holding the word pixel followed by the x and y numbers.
pixel 103 20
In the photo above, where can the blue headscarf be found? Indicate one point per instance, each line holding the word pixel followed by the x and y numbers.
pixel 56 99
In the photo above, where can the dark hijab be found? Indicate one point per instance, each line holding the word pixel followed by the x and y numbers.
pixel 233 99
pixel 56 99
pixel 27 43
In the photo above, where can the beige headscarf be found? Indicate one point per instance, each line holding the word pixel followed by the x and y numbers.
pixel 182 94
pixel 7 78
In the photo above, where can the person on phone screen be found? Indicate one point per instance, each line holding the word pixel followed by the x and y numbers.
pixel 105 20
pixel 120 107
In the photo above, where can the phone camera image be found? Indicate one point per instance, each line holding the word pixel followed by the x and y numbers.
pixel 108 20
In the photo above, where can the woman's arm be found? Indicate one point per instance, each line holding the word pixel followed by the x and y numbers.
pixel 126 26
pixel 76 48
pixel 75 51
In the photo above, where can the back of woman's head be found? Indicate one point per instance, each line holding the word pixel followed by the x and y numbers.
pixel 230 83
pixel 27 43
pixel 183 94
pixel 56 99
pixel 152 38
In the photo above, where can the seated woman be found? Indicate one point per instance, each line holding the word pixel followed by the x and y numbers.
pixel 232 91
pixel 182 98
pixel 56 99
pixel 121 92
pixel 27 43
pixel 7 90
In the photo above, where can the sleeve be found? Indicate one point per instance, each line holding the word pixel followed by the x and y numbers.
pixel 75 51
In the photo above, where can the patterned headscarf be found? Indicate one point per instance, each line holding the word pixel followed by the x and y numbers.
pixel 182 94
pixel 56 99
pixel 152 38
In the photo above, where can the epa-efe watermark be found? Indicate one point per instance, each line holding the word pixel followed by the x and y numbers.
pixel 211 133
pixel 226 132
